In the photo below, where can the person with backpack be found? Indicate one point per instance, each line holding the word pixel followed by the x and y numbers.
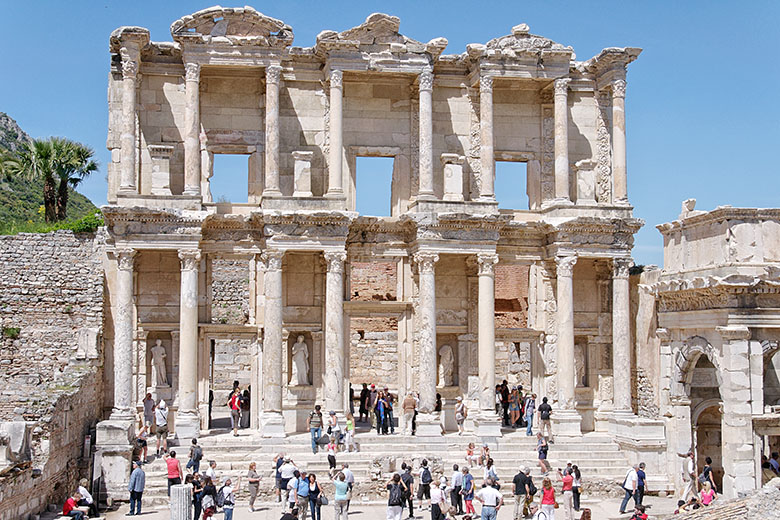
pixel 408 479
pixel 424 491
pixel 706 474
pixel 395 494
pixel 314 424
pixel 545 410
pixel 196 455
pixel 208 498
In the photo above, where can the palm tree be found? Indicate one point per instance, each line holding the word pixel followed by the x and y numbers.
pixel 76 164
pixel 35 160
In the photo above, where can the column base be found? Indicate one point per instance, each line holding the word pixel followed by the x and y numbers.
pixel 191 192
pixel 429 425
pixel 272 193
pixel 426 196
pixel 122 415
pixel 272 425
pixel 334 194
pixel 187 424
pixel 566 423
pixel 488 424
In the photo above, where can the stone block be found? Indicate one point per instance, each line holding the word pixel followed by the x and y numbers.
pixel 15 442
pixel 453 176
pixel 586 182
pixel 302 173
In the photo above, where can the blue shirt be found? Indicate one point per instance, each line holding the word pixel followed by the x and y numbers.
pixel 341 489
pixel 303 487
pixel 137 480
pixel 468 483
pixel 640 475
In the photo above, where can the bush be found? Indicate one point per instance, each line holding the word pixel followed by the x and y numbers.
pixel 86 224
pixel 11 332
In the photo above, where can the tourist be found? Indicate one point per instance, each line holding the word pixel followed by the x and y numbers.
pixel 408 492
pixel 211 472
pixel 409 406
pixel 196 455
pixel 541 448
pixel 529 408
pixel 395 492
pixel 291 515
pixel 142 445
pixel 209 498
pixel 351 399
pixel 334 428
pixel 461 412
pixel 514 407
pixel 314 498
pixel 229 499
pixel 641 485
pixel 471 457
pixel 548 499
pixel 253 485
pixel 234 403
pixel 535 513
pixel 639 513
pixel 567 480
pixel 197 495
pixel 86 499
pixel 302 495
pixel 424 491
pixel 332 455
pixel 706 473
pixel 531 490
pixel 314 424
pixel 292 491
pixel 372 398
pixel 70 507
pixel 707 494
pixel 161 423
pixel 490 473
pixel 505 402
pixel 365 394
pixel 148 403
pixel 577 484
pixel 689 476
pixel 246 406
pixel 381 418
pixel 490 499
pixel 349 478
pixel 278 461
pixel 498 400
pixel 629 486
pixel 349 435
pixel 544 417
pixel 174 470
pixel 775 462
pixel 416 412
pixel 286 473
pixel 341 488
pixel 521 492
pixel 767 474
pixel 438 502
pixel 136 488
pixel 484 454
pixel 456 499
pixel 468 491
pixel 390 405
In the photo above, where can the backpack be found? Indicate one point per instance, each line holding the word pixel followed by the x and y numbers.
pixel 221 497
pixel 531 487
pixel 395 495
pixel 197 453
pixel 425 476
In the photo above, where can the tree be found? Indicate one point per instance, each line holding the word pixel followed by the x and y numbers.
pixel 61 164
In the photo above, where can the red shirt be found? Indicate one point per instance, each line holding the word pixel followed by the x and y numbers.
pixel 548 496
pixel 173 467
pixel 235 402
pixel 69 506
pixel 567 481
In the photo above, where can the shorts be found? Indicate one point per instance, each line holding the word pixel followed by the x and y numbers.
pixel 542 455
pixel 162 431
pixel 149 421
pixel 141 443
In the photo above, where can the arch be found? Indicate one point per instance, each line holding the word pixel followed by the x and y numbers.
pixel 704 405
pixel 685 361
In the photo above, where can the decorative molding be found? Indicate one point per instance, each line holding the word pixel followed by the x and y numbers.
pixel 125 259
pixel 603 149
pixel 619 88
pixel 273 74
pixel 129 68
pixel 663 334
pixel 271 260
pixel 486 84
pixel 565 265
pixel 733 333
pixel 426 81
pixel 548 153
pixel 620 267
pixel 486 263
pixel 425 261
pixel 335 261
pixel 192 71
pixel 336 79
pixel 561 86
pixel 190 259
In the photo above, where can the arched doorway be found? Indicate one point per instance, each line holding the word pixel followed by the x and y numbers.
pixel 708 440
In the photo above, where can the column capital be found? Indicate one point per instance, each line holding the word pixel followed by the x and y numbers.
pixel 272 260
pixel 273 74
pixel 621 267
pixel 733 333
pixel 486 84
pixel 619 88
pixel 336 78
pixel 129 68
pixel 192 71
pixel 561 86
pixel 663 334
pixel 425 261
pixel 565 265
pixel 190 259
pixel 335 261
pixel 426 81
pixel 486 263
pixel 124 258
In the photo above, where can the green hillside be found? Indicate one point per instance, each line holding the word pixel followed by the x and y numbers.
pixel 21 199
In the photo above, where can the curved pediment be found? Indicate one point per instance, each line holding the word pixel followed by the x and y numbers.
pixel 233 25
pixel 521 41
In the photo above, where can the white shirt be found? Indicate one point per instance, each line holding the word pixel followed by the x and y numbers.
pixel 349 477
pixel 85 494
pixel 230 500
pixel 437 496
pixel 489 496
pixel 457 478
pixel 211 474
pixel 161 416
pixel 631 480
pixel 287 470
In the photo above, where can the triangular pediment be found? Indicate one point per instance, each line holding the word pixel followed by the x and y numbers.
pixel 234 25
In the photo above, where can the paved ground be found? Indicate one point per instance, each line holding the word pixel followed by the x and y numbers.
pixel 600 510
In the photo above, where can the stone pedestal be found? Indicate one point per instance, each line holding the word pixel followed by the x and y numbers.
pixel 566 423
pixel 302 173
pixel 586 182
pixel 181 502
pixel 453 176
pixel 161 169
pixel 113 442
pixel 429 425
pixel 272 424
pixel 487 424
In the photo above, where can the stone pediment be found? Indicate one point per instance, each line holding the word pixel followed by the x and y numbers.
pixel 233 26
pixel 520 42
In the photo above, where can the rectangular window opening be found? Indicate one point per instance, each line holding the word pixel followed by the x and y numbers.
pixel 511 185
pixel 374 180
pixel 230 181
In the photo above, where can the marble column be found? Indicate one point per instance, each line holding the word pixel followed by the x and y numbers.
pixel 187 417
pixel 426 136
pixel 273 75
pixel 335 135
pixel 334 331
pixel 566 420
pixel 487 161
pixel 123 338
pixel 488 423
pixel 561 87
pixel 127 140
pixel 425 322
pixel 621 336
pixel 271 422
pixel 181 501
pixel 620 186
pixel 192 171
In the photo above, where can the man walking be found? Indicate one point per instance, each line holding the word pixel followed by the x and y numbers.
pixel 314 423
pixel 456 499
pixel 408 479
pixel 629 486
pixel 408 406
pixel 365 394
pixel 302 488
pixel 544 418
pixel 530 408
pixel 136 488
pixel 689 476
pixel 491 500
pixel 521 492
pixel 505 401
pixel 161 421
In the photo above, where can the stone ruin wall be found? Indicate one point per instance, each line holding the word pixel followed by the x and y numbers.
pixel 51 289
pixel 374 356
pixel 230 291
pixel 232 362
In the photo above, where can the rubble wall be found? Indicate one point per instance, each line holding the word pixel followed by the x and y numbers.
pixel 51 310
pixel 230 291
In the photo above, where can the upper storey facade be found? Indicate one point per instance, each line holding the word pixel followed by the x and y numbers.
pixel 232 83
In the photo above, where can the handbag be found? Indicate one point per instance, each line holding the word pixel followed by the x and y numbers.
pixel 557 505
pixel 322 500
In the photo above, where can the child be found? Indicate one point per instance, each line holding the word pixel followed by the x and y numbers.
pixel 639 513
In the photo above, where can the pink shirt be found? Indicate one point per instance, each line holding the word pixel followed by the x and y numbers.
pixel 567 481
pixel 548 496
pixel 707 498
pixel 173 467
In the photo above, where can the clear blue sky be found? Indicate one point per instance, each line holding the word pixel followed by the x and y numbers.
pixel 702 106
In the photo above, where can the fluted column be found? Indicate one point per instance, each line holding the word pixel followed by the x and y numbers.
pixel 426 328
pixel 335 188
pixel 192 171
pixel 123 337
pixel 621 336
pixel 561 87
pixel 271 423
pixel 486 311
pixel 273 74
pixel 426 136
pixel 334 330
pixel 127 179
pixel 187 417
pixel 487 162
pixel 565 331
pixel 619 180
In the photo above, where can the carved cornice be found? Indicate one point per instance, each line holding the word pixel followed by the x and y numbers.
pixel 714 292
pixel 125 221
pixel 125 259
pixel 425 261
pixel 733 333
pixel 192 71
pixel 586 231
pixel 335 261
pixel 486 84
pixel 426 81
pixel 565 265
pixel 336 79
pixel 620 267
pixel 561 86
pixel 129 68
pixel 190 259
pixel 486 263
pixel 663 334
pixel 271 260
pixel 234 26
pixel 273 74
pixel 619 88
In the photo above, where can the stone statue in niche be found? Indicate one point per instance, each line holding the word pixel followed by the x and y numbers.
pixel 159 373
pixel 300 363
pixel 446 366
pixel 579 365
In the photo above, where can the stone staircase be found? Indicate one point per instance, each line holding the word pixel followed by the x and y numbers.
pixel 597 456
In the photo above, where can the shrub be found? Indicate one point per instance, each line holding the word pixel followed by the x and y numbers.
pixel 11 332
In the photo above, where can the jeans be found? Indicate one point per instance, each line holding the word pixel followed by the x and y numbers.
pixel 410 502
pixel 79 515
pixel 488 513
pixel 341 509
pixel 640 494
pixel 629 494
pixel 194 464
pixel 228 513
pixel 530 420
pixel 314 507
pixel 390 422
pixel 576 495
pixel 303 507
pixel 135 502
pixel 315 436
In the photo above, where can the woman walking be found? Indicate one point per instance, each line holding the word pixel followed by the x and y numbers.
pixel 332 455
pixel 514 408
pixel 468 491
pixel 340 496
pixel 349 436
pixel 548 499
pixel 334 429
pixel 314 498
pixel 575 486
pixel 541 448
pixel 254 484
